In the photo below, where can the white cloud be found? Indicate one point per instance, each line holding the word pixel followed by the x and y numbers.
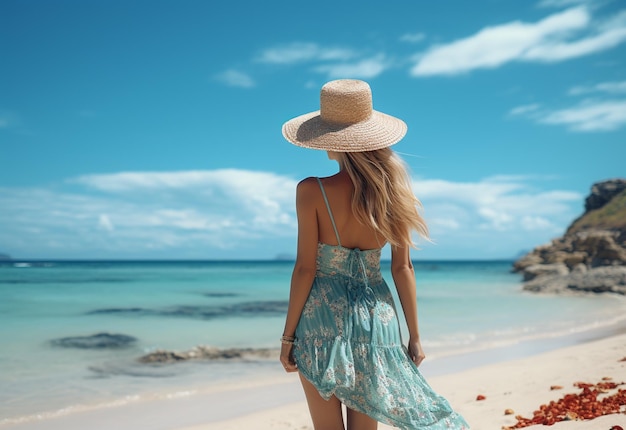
pixel 444 223
pixel 603 87
pixel 140 213
pixel 524 109
pixel 531 223
pixel 104 222
pixel 299 52
pixel 496 219
pixel 334 62
pixel 212 213
pixel 564 3
pixel 590 116
pixel 412 37
pixel 135 181
pixel 558 37
pixel 236 78
pixel 263 194
pixel 502 204
pixel 553 51
pixel 364 69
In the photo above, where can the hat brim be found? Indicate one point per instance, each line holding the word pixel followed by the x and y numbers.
pixel 378 131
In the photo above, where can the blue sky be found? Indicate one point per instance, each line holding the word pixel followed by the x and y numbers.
pixel 151 129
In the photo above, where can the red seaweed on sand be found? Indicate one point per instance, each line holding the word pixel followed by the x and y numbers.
pixel 593 401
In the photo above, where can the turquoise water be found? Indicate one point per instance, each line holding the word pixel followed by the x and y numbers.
pixel 463 306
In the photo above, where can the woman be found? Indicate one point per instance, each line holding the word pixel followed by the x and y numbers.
pixel 342 332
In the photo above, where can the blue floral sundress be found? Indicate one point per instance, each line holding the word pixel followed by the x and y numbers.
pixel 348 344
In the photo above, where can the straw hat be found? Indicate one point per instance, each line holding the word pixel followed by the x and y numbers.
pixel 346 121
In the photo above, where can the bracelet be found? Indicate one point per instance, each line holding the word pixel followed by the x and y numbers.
pixel 287 340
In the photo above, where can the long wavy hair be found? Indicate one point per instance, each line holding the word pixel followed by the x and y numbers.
pixel 383 196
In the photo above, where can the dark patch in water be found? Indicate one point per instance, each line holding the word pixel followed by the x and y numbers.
pixel 95 341
pixel 278 306
pixel 245 309
pixel 427 267
pixel 118 311
pixel 68 281
pixel 203 352
pixel 203 312
pixel 218 294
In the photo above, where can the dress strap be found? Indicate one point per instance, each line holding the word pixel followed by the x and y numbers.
pixel 330 213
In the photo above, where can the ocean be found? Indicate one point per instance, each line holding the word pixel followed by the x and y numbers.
pixel 177 305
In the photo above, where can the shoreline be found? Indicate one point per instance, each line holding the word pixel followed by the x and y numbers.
pixel 192 379
pixel 454 363
pixel 517 384
pixel 225 404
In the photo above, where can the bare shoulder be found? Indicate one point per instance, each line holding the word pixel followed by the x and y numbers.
pixel 307 192
pixel 307 186
pixel 339 181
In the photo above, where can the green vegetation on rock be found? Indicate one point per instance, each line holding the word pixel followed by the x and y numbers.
pixel 611 216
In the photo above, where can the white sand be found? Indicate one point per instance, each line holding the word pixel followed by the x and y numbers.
pixel 277 403
pixel 521 385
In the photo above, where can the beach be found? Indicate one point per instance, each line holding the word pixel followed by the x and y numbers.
pixel 482 334
pixel 521 385
pixel 275 402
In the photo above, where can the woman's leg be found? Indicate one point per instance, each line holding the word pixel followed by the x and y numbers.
pixel 360 421
pixel 326 414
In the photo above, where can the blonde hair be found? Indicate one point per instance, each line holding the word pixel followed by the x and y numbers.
pixel 383 197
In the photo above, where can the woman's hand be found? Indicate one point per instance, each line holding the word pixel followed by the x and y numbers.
pixel 416 353
pixel 286 358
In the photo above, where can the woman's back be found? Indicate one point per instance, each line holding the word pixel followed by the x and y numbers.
pixel 352 233
pixel 342 331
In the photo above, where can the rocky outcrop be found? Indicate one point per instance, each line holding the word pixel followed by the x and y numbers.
pixel 603 192
pixel 203 352
pixel 596 280
pixel 591 256
pixel 95 341
pixel 202 311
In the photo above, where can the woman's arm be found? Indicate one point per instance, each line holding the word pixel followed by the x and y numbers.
pixel 304 269
pixel 404 279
